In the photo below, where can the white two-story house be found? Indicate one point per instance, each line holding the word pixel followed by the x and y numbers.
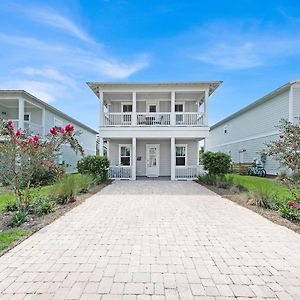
pixel 36 116
pixel 153 129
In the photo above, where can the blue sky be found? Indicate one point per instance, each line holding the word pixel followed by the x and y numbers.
pixel 51 48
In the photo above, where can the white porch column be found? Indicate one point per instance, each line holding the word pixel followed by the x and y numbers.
pixel 101 111
pixel 133 121
pixel 44 121
pixel 206 108
pixel 173 158
pixel 101 146
pixel 173 118
pixel 21 113
pixel 107 149
pixel 133 159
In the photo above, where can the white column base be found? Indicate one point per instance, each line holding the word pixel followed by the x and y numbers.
pixel 173 159
pixel 133 172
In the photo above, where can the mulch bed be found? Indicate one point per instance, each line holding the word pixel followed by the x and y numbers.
pixel 266 213
pixel 35 223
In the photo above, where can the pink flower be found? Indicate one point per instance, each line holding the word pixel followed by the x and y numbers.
pixel 69 128
pixel 25 143
pixel 53 130
pixel 36 147
pixel 36 138
pixel 11 125
pixel 51 166
pixel 19 132
pixel 281 136
pixel 62 130
pixel 31 140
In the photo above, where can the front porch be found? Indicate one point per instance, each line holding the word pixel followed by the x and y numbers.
pixel 162 159
pixel 25 114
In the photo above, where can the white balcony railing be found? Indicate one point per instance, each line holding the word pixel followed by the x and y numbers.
pixel 188 172
pixel 189 119
pixel 153 119
pixel 120 172
pixel 30 127
pixel 117 119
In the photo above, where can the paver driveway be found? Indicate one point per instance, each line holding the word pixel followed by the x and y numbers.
pixel 155 240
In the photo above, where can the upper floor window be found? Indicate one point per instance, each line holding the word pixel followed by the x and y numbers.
pixel 181 151
pixel 179 107
pixel 126 107
pixel 152 108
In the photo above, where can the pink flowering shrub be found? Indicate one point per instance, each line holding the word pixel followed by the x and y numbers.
pixel 286 148
pixel 22 154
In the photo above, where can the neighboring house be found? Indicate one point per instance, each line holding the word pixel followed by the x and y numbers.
pixel 153 129
pixel 30 113
pixel 243 135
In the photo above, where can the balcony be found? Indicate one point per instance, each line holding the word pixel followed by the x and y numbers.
pixel 30 127
pixel 160 119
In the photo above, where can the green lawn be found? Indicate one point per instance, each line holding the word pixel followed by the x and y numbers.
pixel 9 236
pixel 253 183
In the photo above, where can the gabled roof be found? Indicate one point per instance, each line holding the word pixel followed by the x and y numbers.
pixel 262 100
pixel 96 85
pixel 49 107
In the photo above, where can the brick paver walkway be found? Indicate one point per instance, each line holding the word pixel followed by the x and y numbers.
pixel 155 240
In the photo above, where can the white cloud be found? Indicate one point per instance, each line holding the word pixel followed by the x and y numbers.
pixel 48 73
pixel 242 46
pixel 54 19
pixel 45 91
pixel 29 42
pixel 115 69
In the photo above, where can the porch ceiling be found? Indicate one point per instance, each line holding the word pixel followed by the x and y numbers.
pixel 14 103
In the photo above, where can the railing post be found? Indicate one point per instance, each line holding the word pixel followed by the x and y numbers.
pixel 173 118
pixel 133 120
pixel 205 119
pixel 173 159
pixel 133 171
pixel 21 113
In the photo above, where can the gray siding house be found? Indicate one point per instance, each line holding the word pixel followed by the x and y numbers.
pixel 153 129
pixel 30 113
pixel 243 134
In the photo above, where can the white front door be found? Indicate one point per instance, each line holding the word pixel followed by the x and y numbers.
pixel 152 160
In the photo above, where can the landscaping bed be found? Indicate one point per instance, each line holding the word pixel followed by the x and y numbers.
pixel 10 236
pixel 241 199
pixel 267 197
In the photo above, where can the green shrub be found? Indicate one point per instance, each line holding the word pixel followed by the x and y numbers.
pixel 42 205
pixel 46 176
pixel 65 190
pixel 18 218
pixel 289 212
pixel 11 206
pixel 219 181
pixel 84 183
pixel 95 166
pixel 262 197
pixel 216 163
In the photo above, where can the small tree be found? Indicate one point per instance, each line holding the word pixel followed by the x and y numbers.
pixel 216 163
pixel 286 148
pixel 22 153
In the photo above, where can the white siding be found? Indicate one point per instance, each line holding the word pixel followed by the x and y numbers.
pixel 87 139
pixel 250 131
pixel 296 102
pixel 259 120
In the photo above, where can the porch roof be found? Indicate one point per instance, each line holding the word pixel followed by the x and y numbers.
pixel 139 86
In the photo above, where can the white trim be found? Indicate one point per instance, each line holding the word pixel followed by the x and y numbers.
pixel 291 104
pixel 157 158
pixel 247 139
pixel 125 145
pixel 186 154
